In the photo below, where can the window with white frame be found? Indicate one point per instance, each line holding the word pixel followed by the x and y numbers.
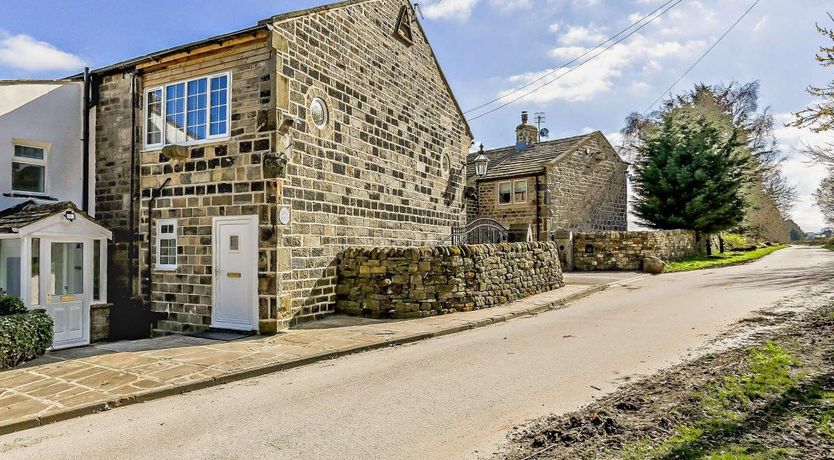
pixel 29 169
pixel 187 112
pixel 520 191
pixel 505 192
pixel 166 244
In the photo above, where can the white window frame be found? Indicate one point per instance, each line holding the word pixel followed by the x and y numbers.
pixel 159 237
pixel 31 161
pixel 209 137
pixel 526 191
pixel 498 193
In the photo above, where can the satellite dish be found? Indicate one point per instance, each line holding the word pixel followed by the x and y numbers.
pixel 544 132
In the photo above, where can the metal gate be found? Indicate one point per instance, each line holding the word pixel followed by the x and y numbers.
pixel 480 231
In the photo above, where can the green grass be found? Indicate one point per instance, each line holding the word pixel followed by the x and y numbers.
pixel 720 260
pixel 829 246
pixel 723 408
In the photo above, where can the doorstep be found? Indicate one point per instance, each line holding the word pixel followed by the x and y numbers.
pixel 71 383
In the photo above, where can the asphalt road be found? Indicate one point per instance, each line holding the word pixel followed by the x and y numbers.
pixel 450 397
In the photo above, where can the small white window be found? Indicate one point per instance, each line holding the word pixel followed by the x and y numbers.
pixel 505 192
pixel 234 243
pixel 318 112
pixel 520 191
pixel 445 164
pixel 29 169
pixel 166 244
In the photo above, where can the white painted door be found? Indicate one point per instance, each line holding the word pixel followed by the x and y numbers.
pixel 67 299
pixel 235 273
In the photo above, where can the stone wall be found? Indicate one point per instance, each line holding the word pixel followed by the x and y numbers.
pixel 417 282
pixel 588 189
pixel 99 322
pixel 626 250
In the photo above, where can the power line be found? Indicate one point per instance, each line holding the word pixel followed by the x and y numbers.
pixel 727 32
pixel 676 2
pixel 571 61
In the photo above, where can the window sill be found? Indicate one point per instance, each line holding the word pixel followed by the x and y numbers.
pixel 214 140
pixel 35 195
pixel 165 269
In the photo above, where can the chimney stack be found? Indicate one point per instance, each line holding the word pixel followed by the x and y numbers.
pixel 525 134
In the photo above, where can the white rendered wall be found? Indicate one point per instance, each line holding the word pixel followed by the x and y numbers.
pixel 43 113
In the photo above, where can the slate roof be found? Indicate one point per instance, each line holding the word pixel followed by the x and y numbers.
pixel 29 212
pixel 507 162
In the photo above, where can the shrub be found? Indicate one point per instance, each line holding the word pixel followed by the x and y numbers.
pixel 735 242
pixel 24 336
pixel 10 305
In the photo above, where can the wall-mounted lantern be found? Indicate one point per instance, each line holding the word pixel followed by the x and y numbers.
pixel 481 163
pixel 69 215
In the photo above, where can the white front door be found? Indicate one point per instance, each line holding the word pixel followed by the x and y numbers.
pixel 67 300
pixel 235 273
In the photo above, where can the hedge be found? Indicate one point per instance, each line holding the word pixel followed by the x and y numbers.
pixel 24 336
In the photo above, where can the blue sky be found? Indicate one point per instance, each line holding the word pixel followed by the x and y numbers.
pixel 489 47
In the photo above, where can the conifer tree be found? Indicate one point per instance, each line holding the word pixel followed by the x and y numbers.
pixel 690 174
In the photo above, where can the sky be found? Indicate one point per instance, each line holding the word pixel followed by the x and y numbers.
pixel 488 48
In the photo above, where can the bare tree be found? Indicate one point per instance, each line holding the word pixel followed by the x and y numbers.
pixel 820 115
pixel 824 197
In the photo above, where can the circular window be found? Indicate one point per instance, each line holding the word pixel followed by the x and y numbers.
pixel 445 163
pixel 318 112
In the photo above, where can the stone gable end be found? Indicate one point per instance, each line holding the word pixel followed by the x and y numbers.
pixel 371 175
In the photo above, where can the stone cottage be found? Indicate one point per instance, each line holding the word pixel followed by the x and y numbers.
pixel 572 184
pixel 234 170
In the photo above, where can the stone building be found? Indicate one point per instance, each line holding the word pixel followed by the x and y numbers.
pixel 234 170
pixel 574 184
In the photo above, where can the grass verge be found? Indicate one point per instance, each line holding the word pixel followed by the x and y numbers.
pixel 720 260
pixel 729 407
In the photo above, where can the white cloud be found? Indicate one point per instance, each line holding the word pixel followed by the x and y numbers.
pixel 760 25
pixel 26 53
pixel 458 10
pixel 568 52
pixel 555 27
pixel 511 4
pixel 598 76
pixel 581 35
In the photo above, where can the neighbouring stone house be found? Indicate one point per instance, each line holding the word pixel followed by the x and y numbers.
pixel 233 171
pixel 572 184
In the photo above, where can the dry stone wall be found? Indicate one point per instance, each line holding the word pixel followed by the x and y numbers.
pixel 626 250
pixel 426 281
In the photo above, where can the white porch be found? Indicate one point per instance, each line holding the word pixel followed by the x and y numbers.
pixel 54 257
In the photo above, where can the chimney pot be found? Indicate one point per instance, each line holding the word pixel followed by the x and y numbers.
pixel 524 117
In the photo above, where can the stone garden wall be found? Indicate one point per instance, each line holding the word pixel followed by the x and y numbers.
pixel 425 281
pixel 626 250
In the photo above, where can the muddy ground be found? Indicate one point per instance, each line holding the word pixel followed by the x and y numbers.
pixel 650 411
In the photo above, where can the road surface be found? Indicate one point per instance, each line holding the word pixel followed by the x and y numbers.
pixel 450 397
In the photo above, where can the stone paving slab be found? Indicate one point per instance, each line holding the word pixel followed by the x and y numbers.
pixel 71 383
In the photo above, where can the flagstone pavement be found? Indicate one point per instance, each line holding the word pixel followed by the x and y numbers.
pixel 70 383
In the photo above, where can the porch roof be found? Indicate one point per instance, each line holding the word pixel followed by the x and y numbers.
pixel 26 214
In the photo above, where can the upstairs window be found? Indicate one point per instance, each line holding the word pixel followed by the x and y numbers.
pixel 520 191
pixel 187 112
pixel 29 169
pixel 166 244
pixel 505 192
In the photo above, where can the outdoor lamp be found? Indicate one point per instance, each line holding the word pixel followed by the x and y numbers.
pixel 481 162
pixel 69 215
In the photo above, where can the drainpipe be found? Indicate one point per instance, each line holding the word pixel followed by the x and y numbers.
pixel 538 212
pixel 131 251
pixel 155 193
pixel 85 143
